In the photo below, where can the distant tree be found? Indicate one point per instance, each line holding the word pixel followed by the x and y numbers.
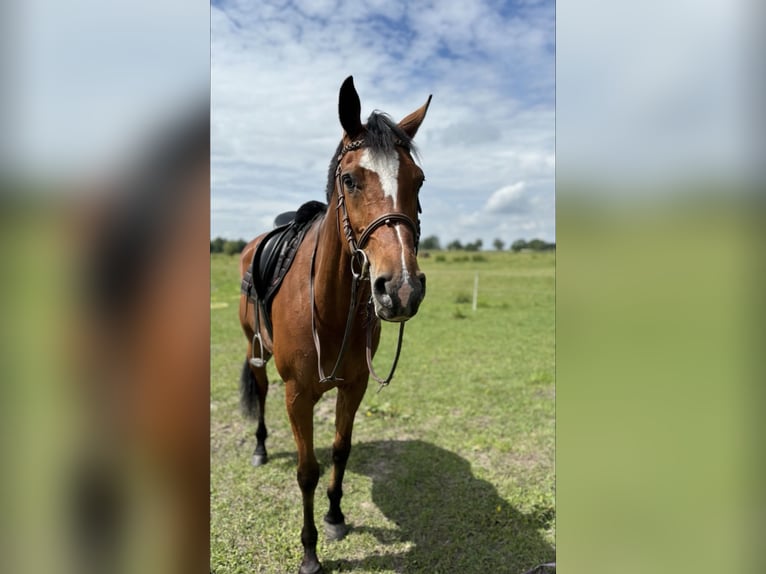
pixel 498 244
pixel 430 243
pixel 537 245
pixel 518 245
pixel 455 245
pixel 230 247
pixel 216 245
pixel 475 246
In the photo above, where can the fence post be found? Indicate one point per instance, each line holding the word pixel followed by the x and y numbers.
pixel 475 290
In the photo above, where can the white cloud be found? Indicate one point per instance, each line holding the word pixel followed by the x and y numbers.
pixel 508 199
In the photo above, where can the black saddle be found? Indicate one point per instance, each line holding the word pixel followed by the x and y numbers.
pixel 275 253
pixel 284 218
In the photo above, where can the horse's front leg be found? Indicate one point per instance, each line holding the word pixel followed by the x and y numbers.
pixel 349 398
pixel 300 409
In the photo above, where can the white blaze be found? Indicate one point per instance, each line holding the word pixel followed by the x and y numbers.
pixel 387 168
pixel 405 271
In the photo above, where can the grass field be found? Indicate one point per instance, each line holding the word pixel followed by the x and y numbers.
pixel 452 468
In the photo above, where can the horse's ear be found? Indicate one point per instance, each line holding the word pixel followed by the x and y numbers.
pixel 350 108
pixel 412 122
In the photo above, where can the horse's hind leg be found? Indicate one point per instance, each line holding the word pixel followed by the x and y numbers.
pixel 254 386
pixel 346 406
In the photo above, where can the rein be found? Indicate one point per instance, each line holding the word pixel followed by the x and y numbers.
pixel 360 271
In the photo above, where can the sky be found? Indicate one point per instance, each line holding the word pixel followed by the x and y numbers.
pixel 87 81
pixel 651 94
pixel 638 97
pixel 486 146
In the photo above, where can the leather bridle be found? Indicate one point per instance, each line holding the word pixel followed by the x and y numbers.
pixel 359 272
pixel 390 218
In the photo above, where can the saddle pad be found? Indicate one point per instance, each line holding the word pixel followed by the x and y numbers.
pixel 274 256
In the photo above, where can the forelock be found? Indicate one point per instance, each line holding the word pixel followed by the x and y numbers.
pixel 382 135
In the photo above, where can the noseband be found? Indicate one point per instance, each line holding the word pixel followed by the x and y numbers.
pixel 359 272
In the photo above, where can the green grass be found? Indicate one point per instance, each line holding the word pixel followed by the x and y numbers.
pixel 452 465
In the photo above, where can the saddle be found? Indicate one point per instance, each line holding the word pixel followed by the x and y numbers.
pixel 275 254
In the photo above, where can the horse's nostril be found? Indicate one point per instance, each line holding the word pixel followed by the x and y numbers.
pixel 380 285
pixel 422 277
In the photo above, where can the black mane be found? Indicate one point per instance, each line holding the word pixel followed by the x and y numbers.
pixel 381 135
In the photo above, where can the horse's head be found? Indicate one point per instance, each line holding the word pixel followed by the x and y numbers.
pixel 377 182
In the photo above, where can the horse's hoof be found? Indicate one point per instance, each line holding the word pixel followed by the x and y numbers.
pixel 313 568
pixel 260 459
pixel 336 532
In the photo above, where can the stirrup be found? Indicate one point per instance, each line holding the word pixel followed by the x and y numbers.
pixel 257 362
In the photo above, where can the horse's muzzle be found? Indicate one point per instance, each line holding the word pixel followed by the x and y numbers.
pixel 397 297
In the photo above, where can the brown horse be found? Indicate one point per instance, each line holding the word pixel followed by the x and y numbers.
pixel 356 265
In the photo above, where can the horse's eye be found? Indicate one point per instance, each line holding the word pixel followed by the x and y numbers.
pixel 348 181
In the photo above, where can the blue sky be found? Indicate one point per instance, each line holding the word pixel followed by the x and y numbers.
pixel 487 145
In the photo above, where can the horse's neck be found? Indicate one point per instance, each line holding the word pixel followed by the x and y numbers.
pixel 333 270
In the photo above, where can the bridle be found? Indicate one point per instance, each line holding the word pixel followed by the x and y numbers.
pixel 385 219
pixel 360 271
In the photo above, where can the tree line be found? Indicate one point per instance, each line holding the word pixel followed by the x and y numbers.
pixel 227 246
pixel 430 243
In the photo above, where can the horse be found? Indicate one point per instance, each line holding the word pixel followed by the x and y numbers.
pixel 356 265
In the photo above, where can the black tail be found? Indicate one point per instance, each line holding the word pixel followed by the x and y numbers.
pixel 248 393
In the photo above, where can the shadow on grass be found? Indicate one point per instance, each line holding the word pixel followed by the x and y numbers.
pixel 455 521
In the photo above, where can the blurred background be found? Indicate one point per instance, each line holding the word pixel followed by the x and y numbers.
pixel 104 228
pixel 104 288
pixel 659 284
